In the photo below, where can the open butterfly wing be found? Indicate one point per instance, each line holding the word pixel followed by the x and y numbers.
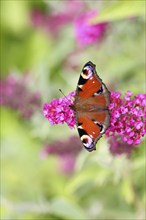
pixel 91 104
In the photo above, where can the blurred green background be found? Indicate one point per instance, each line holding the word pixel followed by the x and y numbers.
pixel 41 60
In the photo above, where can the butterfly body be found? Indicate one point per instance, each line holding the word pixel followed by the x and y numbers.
pixel 91 107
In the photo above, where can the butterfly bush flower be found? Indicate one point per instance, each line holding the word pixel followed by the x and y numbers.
pixel 67 152
pixel 127 122
pixel 58 111
pixel 16 95
pixel 73 13
pixel 118 147
pixel 53 22
pixel 128 117
pixel 87 33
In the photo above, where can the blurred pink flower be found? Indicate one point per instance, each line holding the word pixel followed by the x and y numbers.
pixel 87 33
pixel 118 147
pixel 51 23
pixel 54 21
pixel 128 118
pixel 73 13
pixel 16 95
pixel 67 163
pixel 67 152
pixel 37 18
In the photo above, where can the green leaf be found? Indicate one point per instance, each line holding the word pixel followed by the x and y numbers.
pixel 80 179
pixel 67 209
pixel 120 10
pixel 127 190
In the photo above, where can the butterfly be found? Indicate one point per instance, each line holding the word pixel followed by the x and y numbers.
pixel 91 107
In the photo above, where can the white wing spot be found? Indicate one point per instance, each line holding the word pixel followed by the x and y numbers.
pixel 88 139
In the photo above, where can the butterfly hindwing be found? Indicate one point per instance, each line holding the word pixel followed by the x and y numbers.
pixel 90 130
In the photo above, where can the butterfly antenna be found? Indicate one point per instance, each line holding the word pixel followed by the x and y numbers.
pixel 63 94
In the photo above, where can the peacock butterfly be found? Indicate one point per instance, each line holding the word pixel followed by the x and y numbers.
pixel 91 107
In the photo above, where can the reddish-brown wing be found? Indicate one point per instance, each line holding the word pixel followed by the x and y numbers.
pixel 91 107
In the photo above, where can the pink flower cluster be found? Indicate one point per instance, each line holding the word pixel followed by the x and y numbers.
pixel 128 117
pixel 54 21
pixel 127 123
pixel 118 147
pixel 75 14
pixel 15 94
pixel 87 33
pixel 58 111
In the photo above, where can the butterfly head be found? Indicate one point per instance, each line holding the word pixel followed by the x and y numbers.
pixel 72 106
